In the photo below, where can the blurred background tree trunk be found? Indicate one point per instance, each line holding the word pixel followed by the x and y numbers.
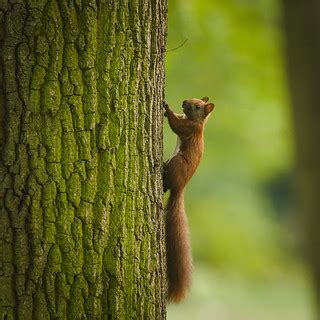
pixel 302 27
pixel 81 227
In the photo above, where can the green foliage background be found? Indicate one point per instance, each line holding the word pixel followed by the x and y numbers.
pixel 239 203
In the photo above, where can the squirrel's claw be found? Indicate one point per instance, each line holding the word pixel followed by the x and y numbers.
pixel 166 107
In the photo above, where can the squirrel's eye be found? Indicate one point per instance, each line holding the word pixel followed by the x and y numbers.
pixel 197 107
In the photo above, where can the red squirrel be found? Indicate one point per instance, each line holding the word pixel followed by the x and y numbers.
pixel 177 171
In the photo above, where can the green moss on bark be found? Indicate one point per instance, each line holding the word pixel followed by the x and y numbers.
pixel 81 226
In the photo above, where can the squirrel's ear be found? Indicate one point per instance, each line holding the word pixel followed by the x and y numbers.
pixel 208 108
pixel 205 99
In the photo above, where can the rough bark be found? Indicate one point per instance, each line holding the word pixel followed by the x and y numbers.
pixel 81 224
pixel 302 27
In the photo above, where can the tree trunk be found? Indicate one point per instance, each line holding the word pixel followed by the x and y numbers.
pixel 81 222
pixel 302 26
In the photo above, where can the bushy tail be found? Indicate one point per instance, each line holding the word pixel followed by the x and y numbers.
pixel 179 259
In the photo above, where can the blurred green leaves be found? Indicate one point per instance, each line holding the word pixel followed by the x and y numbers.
pixel 247 265
pixel 234 55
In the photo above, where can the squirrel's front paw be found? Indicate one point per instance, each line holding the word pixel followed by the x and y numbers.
pixel 166 107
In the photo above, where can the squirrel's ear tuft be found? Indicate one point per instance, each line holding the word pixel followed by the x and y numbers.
pixel 208 108
pixel 205 99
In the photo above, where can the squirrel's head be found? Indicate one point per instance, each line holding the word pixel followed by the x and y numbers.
pixel 197 109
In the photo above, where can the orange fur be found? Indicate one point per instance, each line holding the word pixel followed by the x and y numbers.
pixel 177 172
